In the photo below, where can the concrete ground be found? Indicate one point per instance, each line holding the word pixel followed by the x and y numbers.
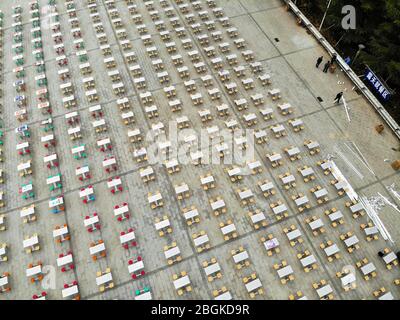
pixel 288 54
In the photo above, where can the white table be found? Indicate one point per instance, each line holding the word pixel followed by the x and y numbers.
pixel 351 241
pixel 324 291
pixel 70 291
pixel 97 248
pixel 201 240
pixel 241 256
pixel 331 250
pixel 31 242
pixel 253 285
pixel 91 221
pixel 172 252
pixel 34 271
pixel 64 260
pixel 307 261
pixel 225 296
pixel 127 237
pixel 136 266
pixel 368 268
pixel 105 278
pixel 212 269
pixel 285 271
pixel 181 282
pixel 228 229
pixel 121 210
pixel 292 235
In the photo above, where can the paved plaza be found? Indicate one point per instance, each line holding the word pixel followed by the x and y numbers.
pixel 243 249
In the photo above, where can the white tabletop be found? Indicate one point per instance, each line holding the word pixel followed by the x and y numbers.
pixel 72 290
pixel 127 237
pixel 368 268
pixel 324 291
pixel 331 250
pixel 138 265
pixel 279 209
pixel 285 271
pixel 309 260
pixel 64 260
pixel 225 296
pixel 104 279
pixel 212 269
pixel 390 257
pixel 293 234
pixel 33 271
pixel 241 256
pixel 255 218
pixel 253 285
pixel 351 241
pixel 181 282
pixel 114 183
pixel 90 221
pixel 144 296
pixel 97 248
pixel 316 224
pixel 60 232
pixel 172 252
pixel 31 242
pixel 86 192
pixel 201 240
pixel 27 211
pixel 218 204
pixel 162 224
pixel 121 210
pixel 228 229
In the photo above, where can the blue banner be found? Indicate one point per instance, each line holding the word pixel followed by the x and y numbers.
pixel 377 85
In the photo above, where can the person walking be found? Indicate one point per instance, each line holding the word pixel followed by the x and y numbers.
pixel 338 97
pixel 326 66
pixel 319 60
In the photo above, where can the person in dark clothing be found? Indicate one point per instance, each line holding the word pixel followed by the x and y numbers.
pixel 326 66
pixel 319 60
pixel 338 97
pixel 334 58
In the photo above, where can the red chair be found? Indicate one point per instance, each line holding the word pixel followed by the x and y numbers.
pixel 122 233
pixel 90 230
pixel 113 191
pixel 63 269
pixel 35 297
pixel 85 201
pixel 60 255
pixel 66 286
pixel 139 258
pixel 142 273
pixel 72 266
pixel 87 217
pixel 134 276
pixel 134 243
pixel 126 246
pixel 130 262
pixel 75 282
pixel 95 214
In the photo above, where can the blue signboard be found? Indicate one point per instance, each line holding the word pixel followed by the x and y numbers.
pixel 377 85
